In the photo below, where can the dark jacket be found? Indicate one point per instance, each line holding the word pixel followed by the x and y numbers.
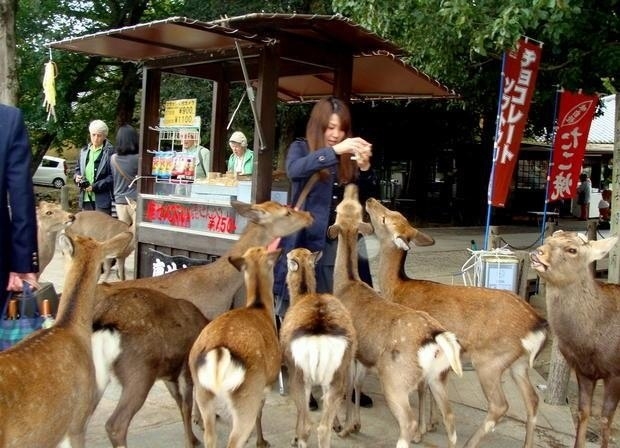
pixel 18 234
pixel 103 184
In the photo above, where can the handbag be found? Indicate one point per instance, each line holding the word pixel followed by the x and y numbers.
pixel 16 327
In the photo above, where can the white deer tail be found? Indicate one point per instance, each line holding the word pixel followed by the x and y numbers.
pixel 219 372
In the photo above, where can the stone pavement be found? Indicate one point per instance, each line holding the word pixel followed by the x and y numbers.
pixel 158 424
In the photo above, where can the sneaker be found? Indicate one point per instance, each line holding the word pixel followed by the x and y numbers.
pixel 365 400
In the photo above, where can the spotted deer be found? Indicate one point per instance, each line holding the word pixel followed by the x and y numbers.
pixel 584 316
pixel 496 328
pixel 406 347
pixel 237 356
pixel 47 385
pixel 318 344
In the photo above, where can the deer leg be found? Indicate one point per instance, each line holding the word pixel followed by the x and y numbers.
pixel 397 398
pixel 353 419
pixel 135 391
pixel 120 265
pixel 439 389
pixel 332 398
pixel 490 375
pixel 610 403
pixel 247 412
pixel 519 374
pixel 206 403
pixel 586 389
pixel 182 392
pixel 300 392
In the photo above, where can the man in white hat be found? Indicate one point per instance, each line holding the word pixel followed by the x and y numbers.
pixel 241 161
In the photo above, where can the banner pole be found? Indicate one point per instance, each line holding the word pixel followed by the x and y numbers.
pixel 495 155
pixel 555 128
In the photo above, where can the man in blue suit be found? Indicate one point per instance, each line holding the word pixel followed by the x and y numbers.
pixel 19 260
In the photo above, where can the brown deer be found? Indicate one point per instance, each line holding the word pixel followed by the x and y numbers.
pixel 47 383
pixel 212 287
pixel 140 336
pixel 51 219
pixel 318 344
pixel 237 355
pixel 584 316
pixel 406 347
pixel 139 351
pixel 101 226
pixel 496 328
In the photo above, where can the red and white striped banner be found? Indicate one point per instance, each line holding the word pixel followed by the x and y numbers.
pixel 569 145
pixel 520 71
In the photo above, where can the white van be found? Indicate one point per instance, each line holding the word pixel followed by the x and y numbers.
pixel 52 172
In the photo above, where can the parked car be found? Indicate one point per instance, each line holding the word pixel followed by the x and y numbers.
pixel 52 171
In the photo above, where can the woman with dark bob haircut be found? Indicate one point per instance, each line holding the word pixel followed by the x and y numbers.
pixel 124 170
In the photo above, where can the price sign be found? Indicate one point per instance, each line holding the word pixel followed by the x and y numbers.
pixel 180 112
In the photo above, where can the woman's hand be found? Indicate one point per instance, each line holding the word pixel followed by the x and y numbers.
pixel 359 148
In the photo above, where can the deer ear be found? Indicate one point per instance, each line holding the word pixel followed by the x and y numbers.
pixel 422 239
pixel 333 231
pixel 292 265
pixel 365 228
pixel 237 262
pixel 597 249
pixel 65 243
pixel 401 243
pixel 317 256
pixel 272 256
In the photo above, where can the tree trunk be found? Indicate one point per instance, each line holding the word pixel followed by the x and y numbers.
pixel 8 74
pixel 557 381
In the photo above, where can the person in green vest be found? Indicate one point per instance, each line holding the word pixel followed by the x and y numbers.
pixel 241 161
pixel 93 172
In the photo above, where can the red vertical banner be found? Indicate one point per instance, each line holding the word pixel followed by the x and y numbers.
pixel 519 81
pixel 569 145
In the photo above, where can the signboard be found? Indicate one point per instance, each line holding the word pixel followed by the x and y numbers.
pixel 180 112
pixel 519 80
pixel 569 145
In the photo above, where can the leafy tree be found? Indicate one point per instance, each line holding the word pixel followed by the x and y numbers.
pixel 461 42
pixel 87 87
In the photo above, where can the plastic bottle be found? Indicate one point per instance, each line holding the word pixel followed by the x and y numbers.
pixel 48 319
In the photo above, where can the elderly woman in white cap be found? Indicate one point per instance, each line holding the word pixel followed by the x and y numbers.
pixel 241 160
pixel 93 173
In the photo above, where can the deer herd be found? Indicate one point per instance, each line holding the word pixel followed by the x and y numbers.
pixel 183 328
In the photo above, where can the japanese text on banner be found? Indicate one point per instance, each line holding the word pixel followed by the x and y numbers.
pixel 569 146
pixel 520 71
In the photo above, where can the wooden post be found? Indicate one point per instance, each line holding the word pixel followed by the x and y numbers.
pixel 494 238
pixel 64 197
pixel 613 271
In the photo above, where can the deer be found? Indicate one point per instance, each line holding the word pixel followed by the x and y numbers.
pixel 237 357
pixel 406 347
pixel 212 287
pixel 318 342
pixel 140 336
pixel 496 328
pixel 47 384
pixel 51 219
pixel 102 226
pixel 583 315
pixel 157 346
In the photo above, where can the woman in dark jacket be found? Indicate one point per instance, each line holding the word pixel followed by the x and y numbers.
pixel 340 159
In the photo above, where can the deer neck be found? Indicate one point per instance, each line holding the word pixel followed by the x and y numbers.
pixel 76 306
pixel 254 235
pixel 346 269
pixel 301 283
pixel 391 269
pixel 260 291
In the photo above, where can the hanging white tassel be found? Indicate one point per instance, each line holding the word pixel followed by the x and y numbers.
pixel 49 89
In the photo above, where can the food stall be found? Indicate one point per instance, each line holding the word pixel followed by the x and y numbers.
pixel 279 57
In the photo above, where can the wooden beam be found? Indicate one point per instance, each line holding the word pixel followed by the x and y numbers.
pixel 219 118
